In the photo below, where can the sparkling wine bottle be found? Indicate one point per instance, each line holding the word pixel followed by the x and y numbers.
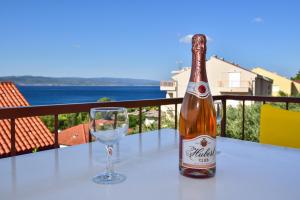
pixel 197 123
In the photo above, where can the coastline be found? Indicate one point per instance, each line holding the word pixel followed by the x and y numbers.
pixel 46 95
pixel 51 85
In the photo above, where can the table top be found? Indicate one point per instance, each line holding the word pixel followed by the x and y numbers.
pixel 245 170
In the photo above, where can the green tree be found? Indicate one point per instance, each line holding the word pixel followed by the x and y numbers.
pixel 49 122
pixel 296 77
pixel 235 119
pixel 282 94
pixel 69 120
pixel 65 120
pixel 104 99
pixel 133 121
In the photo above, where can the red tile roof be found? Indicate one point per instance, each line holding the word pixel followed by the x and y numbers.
pixel 78 134
pixel 74 135
pixel 31 132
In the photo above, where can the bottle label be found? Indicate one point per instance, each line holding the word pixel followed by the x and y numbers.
pixel 199 152
pixel 199 89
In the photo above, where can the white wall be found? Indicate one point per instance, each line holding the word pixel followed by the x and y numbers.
pixel 217 74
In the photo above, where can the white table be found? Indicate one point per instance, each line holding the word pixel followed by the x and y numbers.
pixel 245 170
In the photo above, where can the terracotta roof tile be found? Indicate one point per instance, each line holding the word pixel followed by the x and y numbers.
pixel 74 135
pixel 31 132
pixel 78 134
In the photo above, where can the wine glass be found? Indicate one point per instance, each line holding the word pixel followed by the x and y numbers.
pixel 219 111
pixel 108 125
pixel 219 115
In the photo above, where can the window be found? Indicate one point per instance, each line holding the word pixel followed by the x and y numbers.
pixel 234 79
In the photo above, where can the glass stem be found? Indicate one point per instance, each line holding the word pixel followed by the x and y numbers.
pixel 109 164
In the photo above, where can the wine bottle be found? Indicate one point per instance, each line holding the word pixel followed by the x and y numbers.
pixel 197 123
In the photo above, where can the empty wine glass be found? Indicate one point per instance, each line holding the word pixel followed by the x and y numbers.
pixel 108 126
pixel 219 115
pixel 219 111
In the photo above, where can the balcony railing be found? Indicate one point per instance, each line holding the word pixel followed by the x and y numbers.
pixel 31 111
pixel 235 86
pixel 167 85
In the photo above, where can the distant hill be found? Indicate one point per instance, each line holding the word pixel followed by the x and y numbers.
pixel 75 81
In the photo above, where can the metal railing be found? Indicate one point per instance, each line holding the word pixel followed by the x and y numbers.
pixel 31 111
pixel 167 83
pixel 235 84
pixel 262 99
pixel 13 113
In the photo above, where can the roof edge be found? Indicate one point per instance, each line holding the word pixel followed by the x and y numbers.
pixel 274 73
pixel 7 82
pixel 232 63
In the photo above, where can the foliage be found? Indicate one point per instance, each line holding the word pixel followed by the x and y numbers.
pixel 104 99
pixel 134 122
pixel 252 120
pixel 168 123
pixel 282 94
pixel 235 119
pixel 134 119
pixel 296 77
pixel 49 122
pixel 69 120
pixel 73 119
pixel 34 150
pixel 65 120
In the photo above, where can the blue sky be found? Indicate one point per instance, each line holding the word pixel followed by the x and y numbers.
pixel 144 39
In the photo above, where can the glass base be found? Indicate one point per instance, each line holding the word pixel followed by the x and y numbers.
pixel 109 178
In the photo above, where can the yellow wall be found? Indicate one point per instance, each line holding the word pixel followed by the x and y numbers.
pixel 279 82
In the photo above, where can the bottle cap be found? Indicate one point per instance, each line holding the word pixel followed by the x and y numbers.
pixel 199 43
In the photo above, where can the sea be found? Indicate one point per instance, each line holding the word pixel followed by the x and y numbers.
pixel 48 95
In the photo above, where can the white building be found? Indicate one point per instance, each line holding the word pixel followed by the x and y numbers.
pixel 224 78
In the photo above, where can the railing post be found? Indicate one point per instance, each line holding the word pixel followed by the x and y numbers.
pixel 243 122
pixel 159 117
pixel 176 116
pixel 140 119
pixel 56 131
pixel 13 136
pixel 287 105
pixel 223 123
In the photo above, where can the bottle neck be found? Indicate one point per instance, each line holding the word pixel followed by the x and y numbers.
pixel 198 71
